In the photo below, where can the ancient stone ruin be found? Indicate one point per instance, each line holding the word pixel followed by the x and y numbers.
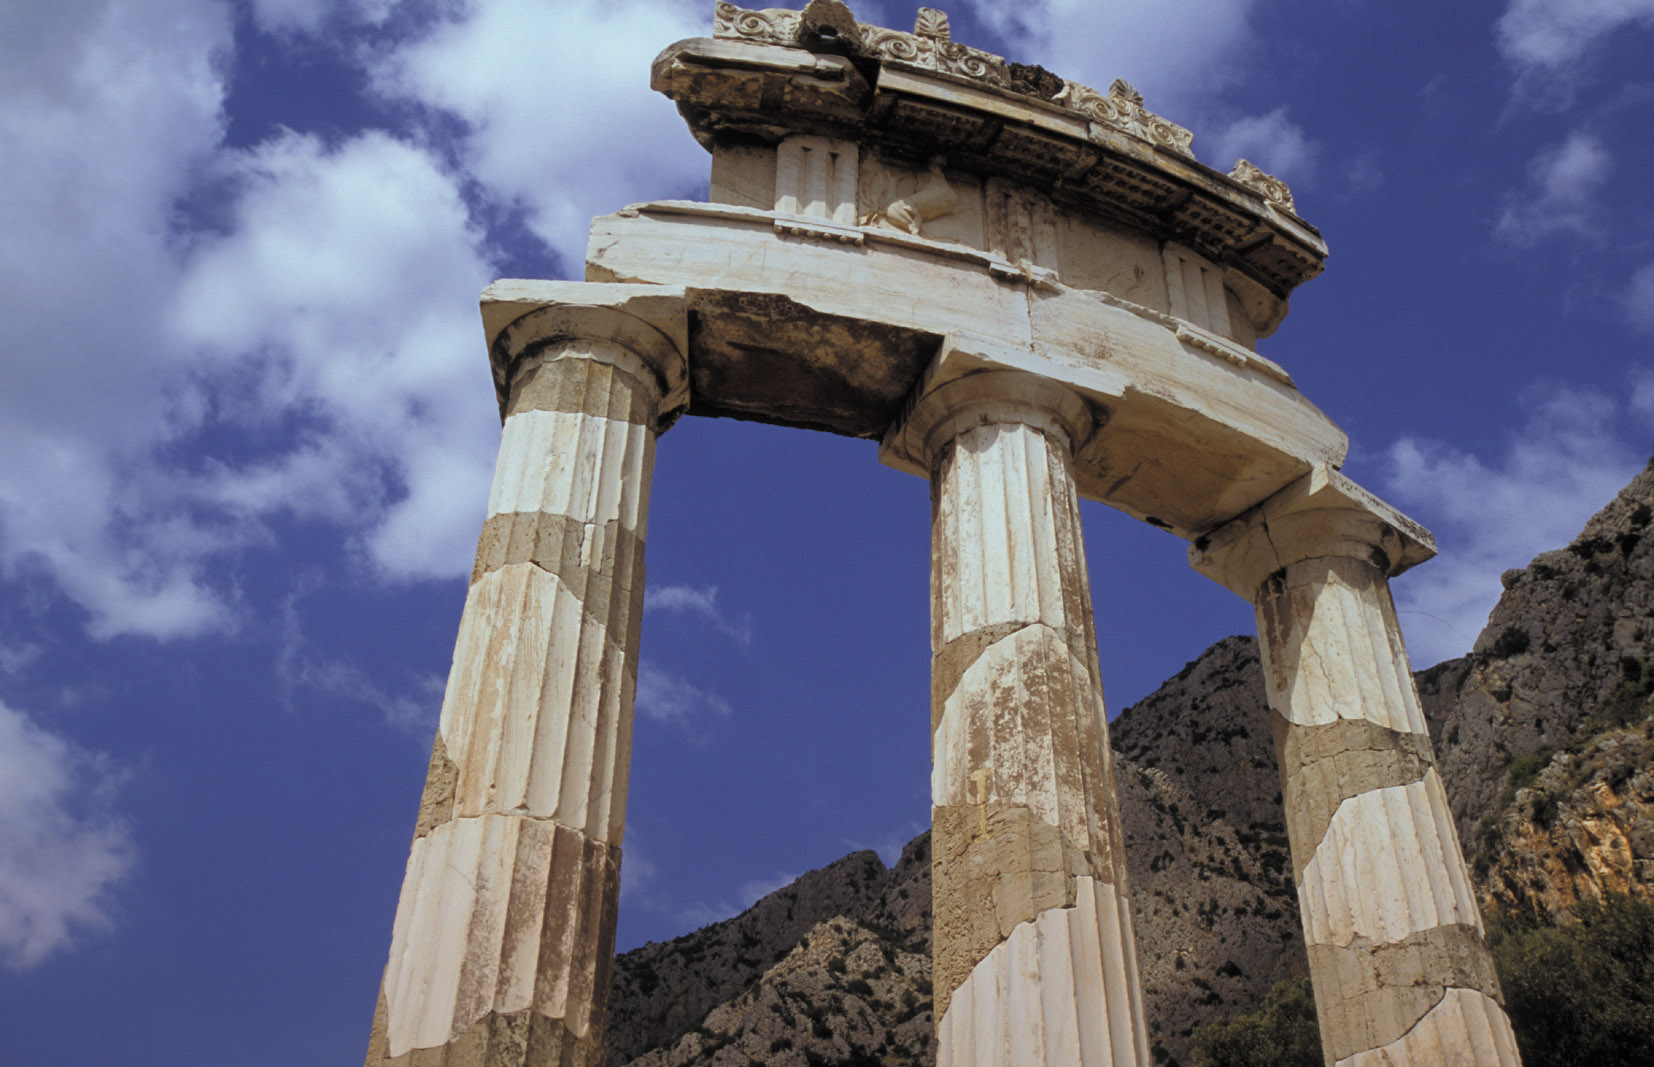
pixel 1028 291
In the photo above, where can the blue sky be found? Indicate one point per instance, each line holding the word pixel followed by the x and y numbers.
pixel 246 431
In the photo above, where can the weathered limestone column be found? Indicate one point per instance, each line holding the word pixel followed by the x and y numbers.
pixel 1035 956
pixel 504 936
pixel 1402 974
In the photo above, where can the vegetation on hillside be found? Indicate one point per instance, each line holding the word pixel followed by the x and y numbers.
pixel 1577 993
pixel 1583 992
pixel 1280 1034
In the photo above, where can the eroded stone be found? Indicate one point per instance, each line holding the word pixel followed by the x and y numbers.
pixel 1373 995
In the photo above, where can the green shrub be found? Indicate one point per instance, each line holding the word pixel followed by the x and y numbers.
pixel 1577 994
pixel 1629 704
pixel 1526 768
pixel 1281 1034
pixel 1581 993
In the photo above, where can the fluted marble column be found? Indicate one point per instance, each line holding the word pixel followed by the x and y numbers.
pixel 1035 955
pixel 1401 971
pixel 504 934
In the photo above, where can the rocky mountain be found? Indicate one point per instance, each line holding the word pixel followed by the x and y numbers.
pixel 682 1001
pixel 1545 740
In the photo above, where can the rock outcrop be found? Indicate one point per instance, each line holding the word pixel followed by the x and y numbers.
pixel 1543 733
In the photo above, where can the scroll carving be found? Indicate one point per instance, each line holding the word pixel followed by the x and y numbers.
pixel 768 26
pixel 1123 109
pixel 931 47
pixel 1273 189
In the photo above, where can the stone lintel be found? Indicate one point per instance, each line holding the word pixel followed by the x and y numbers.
pixel 520 316
pixel 1200 428
pixel 1323 513
pixel 1169 457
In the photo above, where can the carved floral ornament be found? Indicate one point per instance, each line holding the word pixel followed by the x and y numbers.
pixel 1123 109
pixel 1272 188
pixel 931 47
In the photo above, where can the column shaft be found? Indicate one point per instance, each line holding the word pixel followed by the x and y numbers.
pixel 1035 955
pixel 1397 955
pixel 1402 974
pixel 504 934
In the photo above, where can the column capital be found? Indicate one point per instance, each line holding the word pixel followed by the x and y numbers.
pixel 641 329
pixel 1321 514
pixel 943 412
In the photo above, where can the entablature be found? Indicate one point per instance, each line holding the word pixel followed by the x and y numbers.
pixel 921 101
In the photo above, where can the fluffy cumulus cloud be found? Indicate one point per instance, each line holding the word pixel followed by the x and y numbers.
pixel 1560 195
pixel 352 272
pixel 322 326
pixel 1552 36
pixel 1491 514
pixel 106 111
pixel 558 124
pixel 1273 141
pixel 61 852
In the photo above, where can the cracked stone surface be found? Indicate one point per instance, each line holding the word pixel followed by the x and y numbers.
pixel 502 946
pixel 1032 911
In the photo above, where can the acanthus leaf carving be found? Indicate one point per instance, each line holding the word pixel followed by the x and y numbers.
pixel 931 47
pixel 936 52
pixel 1272 188
pixel 932 23
pixel 1122 109
pixel 1121 89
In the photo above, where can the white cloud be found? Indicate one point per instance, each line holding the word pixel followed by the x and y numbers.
pixel 1560 196
pixel 560 121
pixel 62 852
pixel 1639 299
pixel 1272 141
pixel 1551 36
pixel 107 109
pixel 701 602
pixel 1491 515
pixel 671 699
pixel 352 273
pixel 1175 54
pixel 328 328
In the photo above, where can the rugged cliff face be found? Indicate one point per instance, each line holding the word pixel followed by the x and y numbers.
pixel 687 1000
pixel 1545 742
pixel 1541 730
